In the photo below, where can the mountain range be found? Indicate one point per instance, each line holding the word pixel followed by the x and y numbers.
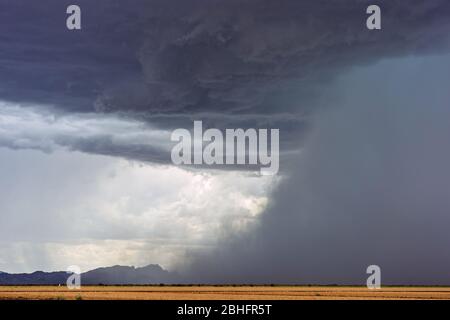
pixel 119 275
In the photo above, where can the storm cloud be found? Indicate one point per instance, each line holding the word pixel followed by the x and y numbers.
pixel 362 115
pixel 254 63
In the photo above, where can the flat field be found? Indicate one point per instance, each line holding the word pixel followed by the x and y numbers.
pixel 220 293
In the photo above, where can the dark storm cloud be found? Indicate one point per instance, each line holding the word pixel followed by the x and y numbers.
pixel 253 56
pixel 253 63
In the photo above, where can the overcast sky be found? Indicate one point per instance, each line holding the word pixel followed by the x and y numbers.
pixel 364 119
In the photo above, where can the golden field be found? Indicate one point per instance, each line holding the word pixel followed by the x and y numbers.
pixel 221 293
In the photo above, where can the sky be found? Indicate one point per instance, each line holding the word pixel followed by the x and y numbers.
pixel 86 118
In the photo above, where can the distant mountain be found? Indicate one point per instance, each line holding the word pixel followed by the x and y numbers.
pixel 151 274
pixel 35 278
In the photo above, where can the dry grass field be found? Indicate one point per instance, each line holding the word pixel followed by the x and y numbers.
pixel 220 293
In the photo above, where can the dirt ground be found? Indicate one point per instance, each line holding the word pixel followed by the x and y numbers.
pixel 220 293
